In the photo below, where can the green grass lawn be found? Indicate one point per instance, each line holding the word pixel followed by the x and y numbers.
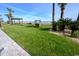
pixel 39 42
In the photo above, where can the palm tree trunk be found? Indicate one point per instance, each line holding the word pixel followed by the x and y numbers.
pixel 62 13
pixel 53 14
pixel 0 24
pixel 72 33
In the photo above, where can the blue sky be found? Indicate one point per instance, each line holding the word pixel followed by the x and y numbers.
pixel 40 11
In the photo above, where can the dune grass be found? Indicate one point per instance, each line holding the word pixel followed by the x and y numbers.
pixel 39 42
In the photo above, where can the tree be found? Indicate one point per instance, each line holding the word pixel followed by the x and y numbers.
pixel 64 23
pixel 73 27
pixel 62 6
pixel 78 21
pixel 67 22
pixel 61 25
pixel 78 18
pixel 37 23
pixel 53 16
pixel 9 15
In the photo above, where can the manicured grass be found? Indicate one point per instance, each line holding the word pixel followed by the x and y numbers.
pixel 38 41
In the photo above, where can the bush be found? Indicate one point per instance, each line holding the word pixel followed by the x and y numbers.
pixel 68 22
pixel 76 34
pixel 37 23
pixel 61 24
pixel 29 25
pixel 73 27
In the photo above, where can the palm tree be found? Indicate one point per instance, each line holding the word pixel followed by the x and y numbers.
pixel 10 16
pixel 62 6
pixel 53 16
pixel 78 21
pixel 78 18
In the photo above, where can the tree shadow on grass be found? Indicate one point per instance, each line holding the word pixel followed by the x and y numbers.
pixel 44 29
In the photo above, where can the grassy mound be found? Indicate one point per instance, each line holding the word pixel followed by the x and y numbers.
pixel 41 42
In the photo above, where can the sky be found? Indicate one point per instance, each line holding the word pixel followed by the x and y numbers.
pixel 38 11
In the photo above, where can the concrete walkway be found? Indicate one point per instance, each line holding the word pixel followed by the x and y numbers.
pixel 10 48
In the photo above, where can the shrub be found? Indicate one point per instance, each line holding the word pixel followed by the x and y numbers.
pixel 61 24
pixel 29 25
pixel 68 22
pixel 76 34
pixel 37 23
pixel 73 27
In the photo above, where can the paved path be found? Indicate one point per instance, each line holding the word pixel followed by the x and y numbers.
pixel 10 48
